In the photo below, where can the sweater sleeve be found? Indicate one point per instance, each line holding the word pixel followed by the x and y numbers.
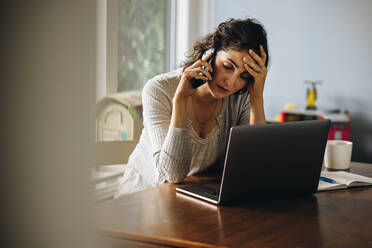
pixel 171 147
pixel 244 110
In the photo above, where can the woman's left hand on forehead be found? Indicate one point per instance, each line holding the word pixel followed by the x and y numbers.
pixel 255 65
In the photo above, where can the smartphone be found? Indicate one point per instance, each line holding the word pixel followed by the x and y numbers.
pixel 196 82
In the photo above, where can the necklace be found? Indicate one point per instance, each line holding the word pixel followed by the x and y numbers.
pixel 203 124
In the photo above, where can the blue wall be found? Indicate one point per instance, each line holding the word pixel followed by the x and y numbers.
pixel 317 40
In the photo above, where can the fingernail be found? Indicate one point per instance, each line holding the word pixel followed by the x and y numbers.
pixel 245 60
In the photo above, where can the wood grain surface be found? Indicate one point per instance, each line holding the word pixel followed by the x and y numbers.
pixel 162 217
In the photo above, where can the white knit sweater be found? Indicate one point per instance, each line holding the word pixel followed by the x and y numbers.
pixel 164 153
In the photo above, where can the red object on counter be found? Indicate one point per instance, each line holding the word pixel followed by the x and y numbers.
pixel 340 121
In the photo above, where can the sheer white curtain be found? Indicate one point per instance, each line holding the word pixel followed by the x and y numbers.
pixel 194 19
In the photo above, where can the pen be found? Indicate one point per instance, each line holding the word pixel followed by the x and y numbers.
pixel 328 180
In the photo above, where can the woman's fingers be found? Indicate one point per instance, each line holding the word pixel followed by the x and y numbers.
pixel 260 60
pixel 199 73
pixel 204 72
pixel 250 70
pixel 255 66
pixel 256 62
pixel 201 63
pixel 252 64
pixel 263 54
pixel 201 69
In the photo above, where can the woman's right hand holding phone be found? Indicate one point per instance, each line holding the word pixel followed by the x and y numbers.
pixel 196 70
pixel 185 90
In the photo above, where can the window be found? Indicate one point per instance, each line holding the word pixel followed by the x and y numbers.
pixel 138 39
pixel 141 42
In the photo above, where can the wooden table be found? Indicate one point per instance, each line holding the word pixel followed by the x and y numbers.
pixel 162 217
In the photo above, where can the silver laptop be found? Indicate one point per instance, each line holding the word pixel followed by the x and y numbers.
pixel 268 161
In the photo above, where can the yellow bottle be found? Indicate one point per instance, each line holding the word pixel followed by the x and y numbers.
pixel 311 95
pixel 311 98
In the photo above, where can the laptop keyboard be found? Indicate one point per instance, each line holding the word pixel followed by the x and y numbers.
pixel 213 193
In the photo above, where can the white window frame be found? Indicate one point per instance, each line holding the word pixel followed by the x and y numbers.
pixel 186 21
pixel 106 48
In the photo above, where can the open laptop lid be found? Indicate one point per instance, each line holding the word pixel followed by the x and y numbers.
pixel 273 160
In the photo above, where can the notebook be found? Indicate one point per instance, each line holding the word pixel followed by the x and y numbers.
pixel 268 161
pixel 342 180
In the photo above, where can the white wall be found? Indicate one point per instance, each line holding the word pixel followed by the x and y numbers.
pixel 316 40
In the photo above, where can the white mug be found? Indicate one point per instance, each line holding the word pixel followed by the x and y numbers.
pixel 338 154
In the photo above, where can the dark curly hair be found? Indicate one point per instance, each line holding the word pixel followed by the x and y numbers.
pixel 235 34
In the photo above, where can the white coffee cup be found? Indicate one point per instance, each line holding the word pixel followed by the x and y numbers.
pixel 338 154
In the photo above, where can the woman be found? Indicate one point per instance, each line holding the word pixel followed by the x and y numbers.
pixel 186 129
